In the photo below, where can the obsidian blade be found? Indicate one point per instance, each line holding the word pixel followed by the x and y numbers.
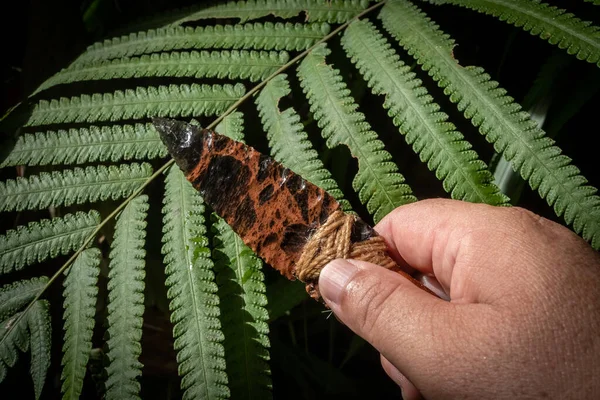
pixel 274 210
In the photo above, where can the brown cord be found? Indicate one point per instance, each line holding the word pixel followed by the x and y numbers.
pixel 332 240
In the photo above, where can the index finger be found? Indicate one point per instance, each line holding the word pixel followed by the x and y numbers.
pixel 431 236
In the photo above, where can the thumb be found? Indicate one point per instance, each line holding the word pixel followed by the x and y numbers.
pixel 406 324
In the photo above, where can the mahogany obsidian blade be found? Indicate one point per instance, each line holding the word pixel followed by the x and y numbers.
pixel 274 210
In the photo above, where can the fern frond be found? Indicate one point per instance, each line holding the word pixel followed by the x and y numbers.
pixel 16 295
pixel 289 143
pixel 379 185
pixel 87 144
pixel 40 329
pixel 229 64
pixel 332 11
pixel 126 301
pixel 12 341
pixel 243 315
pixel 232 126
pixel 499 119
pixel 558 27
pixel 192 290
pixel 256 36
pixel 162 101
pixel 47 238
pixel 595 2
pixel 418 117
pixel 80 293
pixel 72 186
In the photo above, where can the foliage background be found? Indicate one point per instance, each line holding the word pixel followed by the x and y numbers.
pixel 309 352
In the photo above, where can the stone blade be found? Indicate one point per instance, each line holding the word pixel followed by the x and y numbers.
pixel 274 210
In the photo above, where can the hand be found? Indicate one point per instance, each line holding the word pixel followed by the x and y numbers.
pixel 523 320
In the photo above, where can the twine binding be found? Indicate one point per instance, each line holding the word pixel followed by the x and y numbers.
pixel 332 240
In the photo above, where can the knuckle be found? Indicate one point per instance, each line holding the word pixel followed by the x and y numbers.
pixel 526 218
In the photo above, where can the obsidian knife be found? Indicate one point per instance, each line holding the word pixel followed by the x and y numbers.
pixel 276 212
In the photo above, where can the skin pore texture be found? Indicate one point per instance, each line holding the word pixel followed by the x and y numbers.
pixel 523 319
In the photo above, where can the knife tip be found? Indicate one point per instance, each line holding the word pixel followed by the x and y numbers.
pixel 183 140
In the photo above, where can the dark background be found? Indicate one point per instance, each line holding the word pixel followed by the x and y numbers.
pixel 308 350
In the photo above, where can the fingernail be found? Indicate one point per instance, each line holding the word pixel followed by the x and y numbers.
pixel 334 278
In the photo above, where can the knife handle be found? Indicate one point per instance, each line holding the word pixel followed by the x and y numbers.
pixel 345 236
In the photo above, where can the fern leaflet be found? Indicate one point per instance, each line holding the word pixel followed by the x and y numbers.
pixel 288 141
pixel 379 185
pixel 88 144
pixel 75 186
pixel 499 119
pixel 80 307
pixel 232 126
pixel 162 101
pixel 192 290
pixel 40 329
pixel 577 37
pixel 436 141
pixel 244 316
pixel 234 64
pixel 332 11
pixel 256 36
pixel 12 341
pixel 126 301
pixel 47 238
pixel 242 291
pixel 16 295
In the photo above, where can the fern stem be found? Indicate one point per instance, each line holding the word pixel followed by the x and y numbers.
pixel 172 161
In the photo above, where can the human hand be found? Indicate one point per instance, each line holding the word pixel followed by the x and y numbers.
pixel 523 320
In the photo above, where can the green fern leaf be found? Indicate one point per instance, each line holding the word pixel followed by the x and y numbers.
pixel 243 315
pixel 595 2
pixel 40 329
pixel 332 11
pixel 379 185
pixel 256 36
pixel 14 339
pixel 126 301
pixel 234 64
pixel 232 126
pixel 80 307
pixel 162 101
pixel 577 37
pixel 16 295
pixel 499 119
pixel 74 186
pixel 436 141
pixel 47 238
pixel 288 141
pixel 84 145
pixel 192 290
